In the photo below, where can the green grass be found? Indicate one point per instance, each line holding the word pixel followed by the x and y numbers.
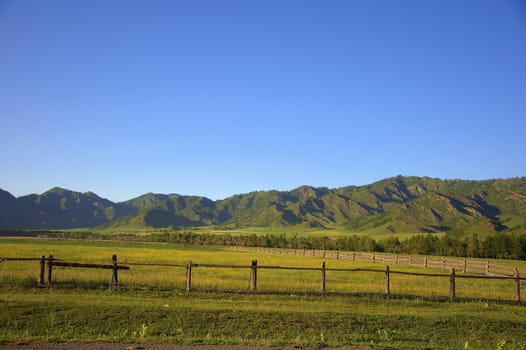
pixel 49 315
pixel 163 312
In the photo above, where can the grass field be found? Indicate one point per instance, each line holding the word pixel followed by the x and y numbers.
pixel 334 231
pixel 163 312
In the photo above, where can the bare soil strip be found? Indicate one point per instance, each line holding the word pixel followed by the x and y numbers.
pixel 116 346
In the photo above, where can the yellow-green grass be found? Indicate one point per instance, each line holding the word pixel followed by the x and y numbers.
pixel 229 279
pixel 125 229
pixel 299 230
pixel 164 312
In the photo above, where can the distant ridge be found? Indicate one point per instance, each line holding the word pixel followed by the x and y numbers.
pixel 394 205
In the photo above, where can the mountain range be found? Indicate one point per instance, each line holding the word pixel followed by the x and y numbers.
pixel 394 205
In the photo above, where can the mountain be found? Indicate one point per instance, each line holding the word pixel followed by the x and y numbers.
pixel 394 205
pixel 58 209
pixel 146 201
pixel 168 211
pixel 8 207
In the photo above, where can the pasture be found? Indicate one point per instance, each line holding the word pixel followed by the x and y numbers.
pixel 327 231
pixel 151 304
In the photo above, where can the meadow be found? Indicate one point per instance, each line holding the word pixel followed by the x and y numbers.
pixel 327 231
pixel 151 304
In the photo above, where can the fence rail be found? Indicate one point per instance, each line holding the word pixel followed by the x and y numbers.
pixel 432 262
pixel 51 262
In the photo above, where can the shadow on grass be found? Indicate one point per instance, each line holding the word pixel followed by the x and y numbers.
pixel 127 287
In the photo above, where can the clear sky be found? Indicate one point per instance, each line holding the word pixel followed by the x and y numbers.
pixel 217 98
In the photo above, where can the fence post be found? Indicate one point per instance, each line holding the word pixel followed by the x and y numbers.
pixel 323 277
pixel 396 259
pixel 353 256
pixel 387 281
pixel 487 268
pixel 374 257
pixel 49 269
pixel 443 263
pixel 517 286
pixel 465 265
pixel 253 276
pixel 114 274
pixel 42 270
pixel 188 276
pixel 425 262
pixel 452 295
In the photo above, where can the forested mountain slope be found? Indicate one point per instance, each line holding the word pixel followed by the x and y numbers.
pixel 394 205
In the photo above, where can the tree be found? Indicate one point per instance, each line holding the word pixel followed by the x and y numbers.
pixel 391 245
pixel 473 247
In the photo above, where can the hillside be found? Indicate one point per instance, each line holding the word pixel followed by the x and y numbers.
pixel 58 209
pixel 394 205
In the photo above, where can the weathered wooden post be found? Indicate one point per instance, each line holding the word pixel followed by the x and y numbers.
pixel 49 269
pixel 114 272
pixel 188 276
pixel 253 276
pixel 425 262
pixel 465 265
pixel 387 281
pixel 396 259
pixel 517 286
pixel 323 277
pixel 452 294
pixel 487 268
pixel 42 270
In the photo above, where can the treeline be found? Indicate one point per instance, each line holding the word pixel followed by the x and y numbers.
pixel 499 246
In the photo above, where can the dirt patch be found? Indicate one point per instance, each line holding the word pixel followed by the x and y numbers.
pixel 115 346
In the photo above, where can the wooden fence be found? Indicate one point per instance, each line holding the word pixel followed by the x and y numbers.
pixel 433 262
pixel 46 279
pixel 52 262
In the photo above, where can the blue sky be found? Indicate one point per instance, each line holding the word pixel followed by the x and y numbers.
pixel 216 98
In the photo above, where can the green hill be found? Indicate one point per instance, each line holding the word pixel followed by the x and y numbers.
pixel 58 209
pixel 394 205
